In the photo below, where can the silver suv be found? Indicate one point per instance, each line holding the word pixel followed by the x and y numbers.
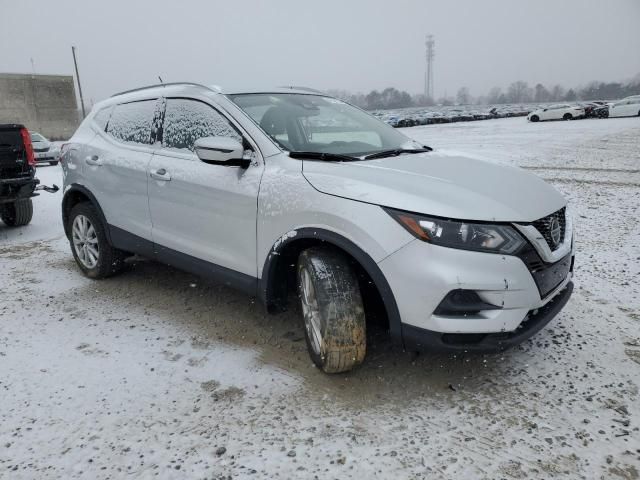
pixel 283 189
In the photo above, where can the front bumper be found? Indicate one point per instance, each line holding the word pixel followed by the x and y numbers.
pixel 421 275
pixel 419 339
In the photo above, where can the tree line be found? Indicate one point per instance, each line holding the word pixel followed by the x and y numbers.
pixel 516 92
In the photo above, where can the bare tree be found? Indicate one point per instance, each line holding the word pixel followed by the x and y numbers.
pixel 494 95
pixel 541 94
pixel 519 92
pixel 463 97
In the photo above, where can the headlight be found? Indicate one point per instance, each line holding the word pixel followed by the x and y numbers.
pixel 481 237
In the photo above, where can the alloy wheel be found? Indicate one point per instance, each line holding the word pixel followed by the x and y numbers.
pixel 310 310
pixel 85 241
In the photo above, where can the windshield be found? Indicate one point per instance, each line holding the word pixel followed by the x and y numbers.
pixel 314 123
pixel 36 137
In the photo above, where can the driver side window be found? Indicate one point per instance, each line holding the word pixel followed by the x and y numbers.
pixel 185 121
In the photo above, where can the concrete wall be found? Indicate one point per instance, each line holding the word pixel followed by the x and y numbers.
pixel 43 103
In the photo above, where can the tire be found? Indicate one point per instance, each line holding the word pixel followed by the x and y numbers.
pixel 102 260
pixel 331 302
pixel 18 213
pixel 54 163
pixel 535 118
pixel 567 116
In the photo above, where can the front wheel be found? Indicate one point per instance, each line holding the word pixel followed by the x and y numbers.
pixel 18 213
pixel 92 251
pixel 332 310
pixel 535 118
pixel 567 116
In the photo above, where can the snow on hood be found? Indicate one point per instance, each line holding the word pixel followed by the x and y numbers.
pixel 439 184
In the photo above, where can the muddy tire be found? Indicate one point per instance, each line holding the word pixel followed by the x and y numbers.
pixel 18 213
pixel 92 251
pixel 332 309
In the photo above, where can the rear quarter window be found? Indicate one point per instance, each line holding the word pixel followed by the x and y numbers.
pixel 131 122
pixel 101 118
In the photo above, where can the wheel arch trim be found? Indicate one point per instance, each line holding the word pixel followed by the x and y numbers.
pixel 268 282
pixel 77 188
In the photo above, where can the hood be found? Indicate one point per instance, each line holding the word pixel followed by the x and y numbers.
pixel 439 184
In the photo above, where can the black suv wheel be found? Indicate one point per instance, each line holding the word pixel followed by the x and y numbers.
pixel 18 213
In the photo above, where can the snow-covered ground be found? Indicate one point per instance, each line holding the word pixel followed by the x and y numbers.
pixel 159 374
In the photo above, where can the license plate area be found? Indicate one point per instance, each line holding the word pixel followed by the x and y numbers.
pixel 551 275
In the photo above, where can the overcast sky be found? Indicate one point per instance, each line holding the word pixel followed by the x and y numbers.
pixel 346 44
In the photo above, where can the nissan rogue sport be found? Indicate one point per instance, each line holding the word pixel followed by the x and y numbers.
pixel 289 189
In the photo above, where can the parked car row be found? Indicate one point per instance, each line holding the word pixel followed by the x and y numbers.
pixel 414 117
pixel 629 106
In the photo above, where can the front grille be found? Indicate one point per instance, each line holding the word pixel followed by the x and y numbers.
pixel 547 276
pixel 544 227
pixel 38 150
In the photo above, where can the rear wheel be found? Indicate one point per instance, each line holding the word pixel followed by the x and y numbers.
pixel 567 116
pixel 18 213
pixel 535 118
pixel 332 310
pixel 93 253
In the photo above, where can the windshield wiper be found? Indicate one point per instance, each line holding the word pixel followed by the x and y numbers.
pixel 335 157
pixel 397 151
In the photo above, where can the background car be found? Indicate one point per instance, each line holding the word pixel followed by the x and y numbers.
pixel 44 151
pixel 627 107
pixel 557 112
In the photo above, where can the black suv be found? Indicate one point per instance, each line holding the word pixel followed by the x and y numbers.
pixel 17 175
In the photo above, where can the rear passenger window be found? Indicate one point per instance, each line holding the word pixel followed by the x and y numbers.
pixel 185 121
pixel 102 117
pixel 131 122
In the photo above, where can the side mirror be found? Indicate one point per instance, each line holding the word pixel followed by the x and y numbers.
pixel 221 151
pixel 545 109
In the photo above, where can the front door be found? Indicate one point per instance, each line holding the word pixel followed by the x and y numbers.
pixel 202 210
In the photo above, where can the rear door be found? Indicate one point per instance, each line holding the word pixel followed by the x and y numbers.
pixel 202 210
pixel 115 166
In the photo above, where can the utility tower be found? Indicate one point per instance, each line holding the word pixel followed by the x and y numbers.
pixel 428 77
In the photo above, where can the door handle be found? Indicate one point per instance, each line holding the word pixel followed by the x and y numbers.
pixel 93 160
pixel 161 174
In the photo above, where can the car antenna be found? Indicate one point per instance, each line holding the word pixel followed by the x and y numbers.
pixel 160 78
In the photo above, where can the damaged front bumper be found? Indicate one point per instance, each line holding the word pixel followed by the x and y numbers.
pixel 504 298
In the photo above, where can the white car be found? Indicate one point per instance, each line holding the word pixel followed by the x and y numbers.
pixel 285 190
pixel 44 151
pixel 627 107
pixel 557 112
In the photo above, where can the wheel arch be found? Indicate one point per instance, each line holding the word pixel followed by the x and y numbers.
pixel 279 271
pixel 74 195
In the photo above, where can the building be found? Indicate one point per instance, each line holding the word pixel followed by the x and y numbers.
pixel 43 103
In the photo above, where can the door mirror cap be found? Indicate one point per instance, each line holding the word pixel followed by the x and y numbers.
pixel 222 151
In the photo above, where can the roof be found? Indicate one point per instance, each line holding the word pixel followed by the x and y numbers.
pixel 216 89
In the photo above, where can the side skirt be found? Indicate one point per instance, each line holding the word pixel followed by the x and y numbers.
pixel 132 243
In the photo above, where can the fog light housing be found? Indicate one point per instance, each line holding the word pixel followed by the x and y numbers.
pixel 461 302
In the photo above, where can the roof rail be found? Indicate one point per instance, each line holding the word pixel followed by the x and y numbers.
pixel 305 89
pixel 161 85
